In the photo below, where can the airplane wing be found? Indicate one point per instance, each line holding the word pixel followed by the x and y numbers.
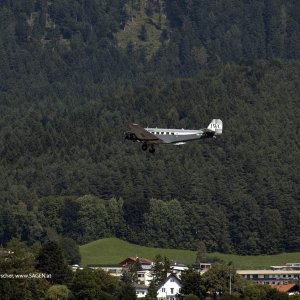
pixel 141 133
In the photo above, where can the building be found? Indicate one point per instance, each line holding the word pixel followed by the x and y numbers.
pixel 169 288
pixel 146 264
pixel 144 277
pixel 113 271
pixel 141 290
pixel 178 269
pixel 202 267
pixel 289 288
pixel 271 276
pixel 287 266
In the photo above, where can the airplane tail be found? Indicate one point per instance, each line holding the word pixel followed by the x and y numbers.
pixel 216 125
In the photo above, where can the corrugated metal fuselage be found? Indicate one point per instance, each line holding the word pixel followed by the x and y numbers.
pixel 173 136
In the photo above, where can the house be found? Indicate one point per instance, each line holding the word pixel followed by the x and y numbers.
pixel 141 290
pixel 144 277
pixel 169 288
pixel 202 267
pixel 146 264
pixel 289 288
pixel 178 269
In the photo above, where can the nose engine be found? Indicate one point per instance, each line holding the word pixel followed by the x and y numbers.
pixel 130 136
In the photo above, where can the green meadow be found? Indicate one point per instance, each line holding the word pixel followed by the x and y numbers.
pixel 111 251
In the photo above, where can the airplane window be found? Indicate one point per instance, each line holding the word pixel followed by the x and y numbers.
pixel 172 133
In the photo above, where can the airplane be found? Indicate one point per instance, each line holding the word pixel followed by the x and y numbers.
pixel 149 137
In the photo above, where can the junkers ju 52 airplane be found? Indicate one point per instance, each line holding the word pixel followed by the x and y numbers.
pixel 149 137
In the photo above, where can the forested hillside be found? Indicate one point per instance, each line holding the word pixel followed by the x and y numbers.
pixel 68 89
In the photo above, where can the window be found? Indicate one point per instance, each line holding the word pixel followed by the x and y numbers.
pixel 163 290
pixel 172 280
pixel 172 290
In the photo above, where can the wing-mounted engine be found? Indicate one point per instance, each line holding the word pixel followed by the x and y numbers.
pixel 130 136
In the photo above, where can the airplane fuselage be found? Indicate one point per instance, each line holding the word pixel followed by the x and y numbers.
pixel 174 136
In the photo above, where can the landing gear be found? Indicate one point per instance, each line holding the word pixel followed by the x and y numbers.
pixel 145 147
pixel 152 150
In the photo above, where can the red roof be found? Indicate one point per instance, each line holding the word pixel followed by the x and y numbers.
pixel 283 288
pixel 130 260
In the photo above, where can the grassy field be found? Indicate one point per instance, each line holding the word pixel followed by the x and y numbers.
pixel 111 251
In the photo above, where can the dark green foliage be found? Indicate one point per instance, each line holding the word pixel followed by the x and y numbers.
pixel 50 260
pixel 70 250
pixel 152 291
pixel 160 270
pixel 67 92
pixel 233 30
pixel 90 284
pixel 191 297
pixel 17 260
pixel 259 291
pixel 58 292
pixel 143 34
pixel 192 284
pixel 84 285
pixel 217 281
pixel 126 292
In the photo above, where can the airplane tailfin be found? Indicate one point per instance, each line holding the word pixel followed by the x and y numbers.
pixel 216 125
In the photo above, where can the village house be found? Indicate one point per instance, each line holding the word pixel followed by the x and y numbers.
pixel 141 290
pixel 178 269
pixel 169 288
pixel 289 288
pixel 146 264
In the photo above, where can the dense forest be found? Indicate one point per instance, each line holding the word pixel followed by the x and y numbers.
pixel 69 86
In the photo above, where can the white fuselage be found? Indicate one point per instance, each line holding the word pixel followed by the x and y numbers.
pixel 171 136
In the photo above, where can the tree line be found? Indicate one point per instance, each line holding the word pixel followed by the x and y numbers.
pixel 165 223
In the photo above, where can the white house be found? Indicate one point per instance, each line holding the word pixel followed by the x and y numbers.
pixel 169 288
pixel 144 277
pixel 141 290
pixel 178 269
